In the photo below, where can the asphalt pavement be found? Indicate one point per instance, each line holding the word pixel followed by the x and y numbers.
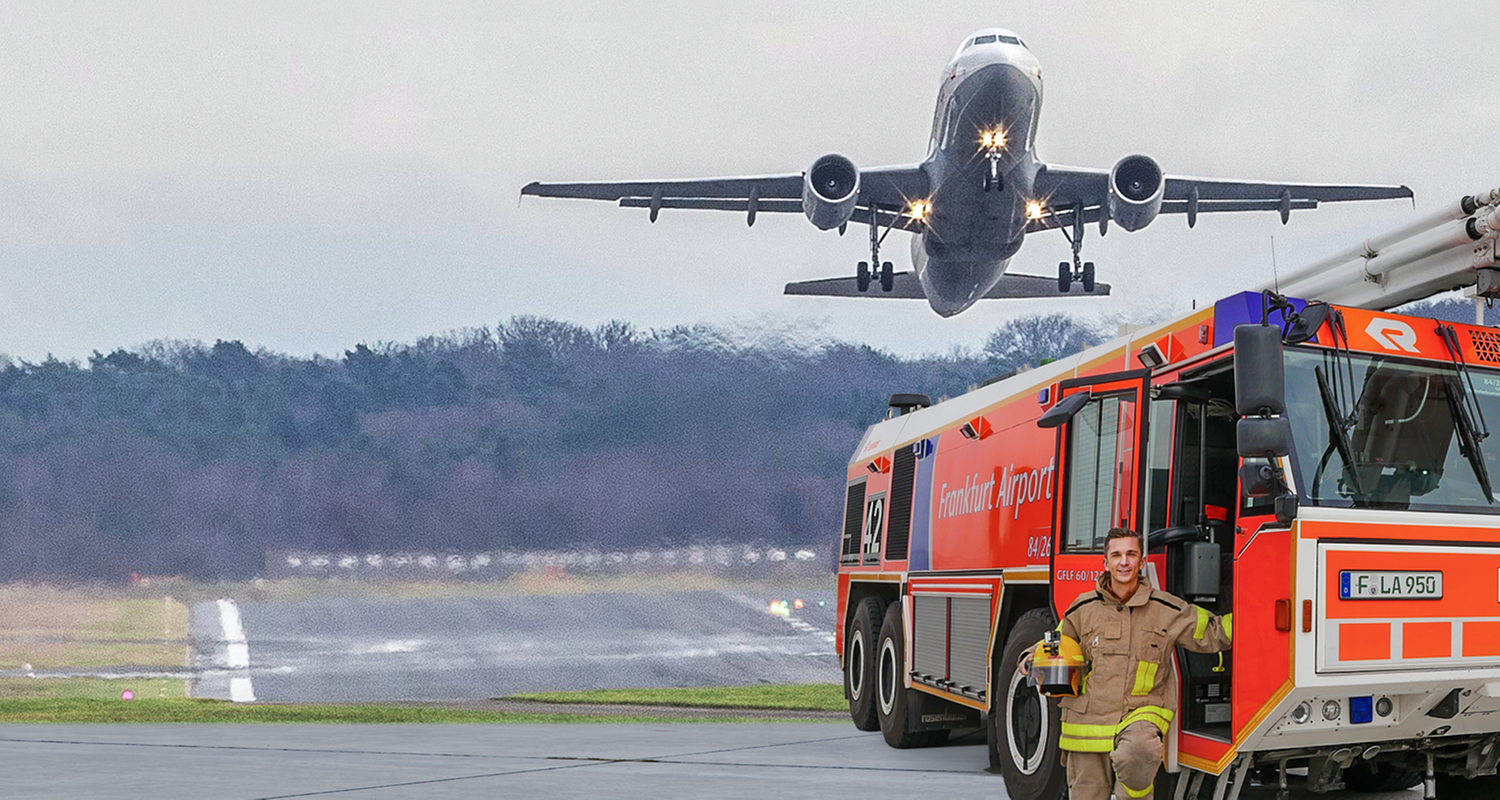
pixel 383 762
pixel 333 649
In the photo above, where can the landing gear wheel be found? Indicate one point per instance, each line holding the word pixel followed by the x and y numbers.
pixel 859 663
pixel 1064 277
pixel 1023 723
pixel 862 276
pixel 1088 276
pixel 989 182
pixel 892 698
pixel 887 277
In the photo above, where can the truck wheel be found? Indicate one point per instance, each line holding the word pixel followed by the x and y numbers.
pixel 1026 724
pixel 893 701
pixel 1385 777
pixel 859 663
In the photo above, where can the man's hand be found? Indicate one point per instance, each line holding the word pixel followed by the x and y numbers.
pixel 1024 665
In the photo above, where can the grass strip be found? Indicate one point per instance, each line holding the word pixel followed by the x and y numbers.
pixel 179 710
pixel 14 688
pixel 786 697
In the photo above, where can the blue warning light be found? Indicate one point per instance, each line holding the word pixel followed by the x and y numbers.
pixel 1361 709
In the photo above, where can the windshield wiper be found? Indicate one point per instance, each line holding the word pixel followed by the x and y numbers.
pixel 1338 435
pixel 1468 440
pixel 1459 402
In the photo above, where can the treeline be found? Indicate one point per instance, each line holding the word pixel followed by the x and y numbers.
pixel 186 458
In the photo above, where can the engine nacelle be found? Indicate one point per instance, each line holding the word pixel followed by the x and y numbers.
pixel 1135 191
pixel 830 191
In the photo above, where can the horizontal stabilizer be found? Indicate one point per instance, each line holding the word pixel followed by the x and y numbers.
pixel 905 286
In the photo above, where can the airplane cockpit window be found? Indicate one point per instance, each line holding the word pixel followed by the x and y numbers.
pixel 1009 39
pixel 986 39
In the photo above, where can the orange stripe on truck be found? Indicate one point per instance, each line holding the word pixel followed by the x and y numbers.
pixel 1427 640
pixel 1364 641
pixel 1481 639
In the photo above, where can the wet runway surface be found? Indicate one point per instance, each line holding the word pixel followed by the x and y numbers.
pixel 341 650
pixel 383 762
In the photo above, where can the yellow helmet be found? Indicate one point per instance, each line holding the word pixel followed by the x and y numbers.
pixel 1057 666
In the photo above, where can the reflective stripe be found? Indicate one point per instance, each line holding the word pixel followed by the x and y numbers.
pixel 1145 678
pixel 1086 745
pixel 1074 729
pixel 1228 621
pixel 1156 715
pixel 1203 618
pixel 1141 793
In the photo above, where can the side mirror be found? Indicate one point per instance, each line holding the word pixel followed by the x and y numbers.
pixel 1259 378
pixel 1258 480
pixel 1263 437
pixel 1064 410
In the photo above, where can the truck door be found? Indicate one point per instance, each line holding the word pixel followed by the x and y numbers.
pixel 1099 457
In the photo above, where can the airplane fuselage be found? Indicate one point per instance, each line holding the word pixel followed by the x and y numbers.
pixel 978 212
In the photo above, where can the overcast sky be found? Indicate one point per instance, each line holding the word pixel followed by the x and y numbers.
pixel 306 176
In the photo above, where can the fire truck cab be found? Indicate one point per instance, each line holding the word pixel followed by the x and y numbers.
pixel 1323 472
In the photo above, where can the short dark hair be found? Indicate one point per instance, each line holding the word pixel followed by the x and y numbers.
pixel 1124 533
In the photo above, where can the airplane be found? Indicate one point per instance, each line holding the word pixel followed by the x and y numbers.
pixel 973 199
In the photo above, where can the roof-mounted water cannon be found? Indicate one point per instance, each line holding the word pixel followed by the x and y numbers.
pixel 1450 248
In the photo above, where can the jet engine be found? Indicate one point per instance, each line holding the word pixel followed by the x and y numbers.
pixel 1135 190
pixel 830 190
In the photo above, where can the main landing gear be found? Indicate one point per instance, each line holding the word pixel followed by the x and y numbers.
pixel 875 269
pixel 1082 271
pixel 885 276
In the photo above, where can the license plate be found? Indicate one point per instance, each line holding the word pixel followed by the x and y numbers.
pixel 1357 584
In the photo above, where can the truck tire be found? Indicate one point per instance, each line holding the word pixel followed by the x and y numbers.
pixel 859 663
pixel 1384 777
pixel 1023 724
pixel 893 702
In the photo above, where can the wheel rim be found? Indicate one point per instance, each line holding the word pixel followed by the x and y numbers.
pixel 1026 724
pixel 886 676
pixel 857 664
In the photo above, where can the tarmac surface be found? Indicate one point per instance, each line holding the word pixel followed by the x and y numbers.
pixel 384 762
pixel 345 650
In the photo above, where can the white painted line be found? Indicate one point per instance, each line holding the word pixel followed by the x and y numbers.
pixel 236 652
pixel 240 690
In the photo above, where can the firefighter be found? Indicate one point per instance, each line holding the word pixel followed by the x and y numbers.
pixel 1112 731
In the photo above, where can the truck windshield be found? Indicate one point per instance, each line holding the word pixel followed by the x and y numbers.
pixel 1405 437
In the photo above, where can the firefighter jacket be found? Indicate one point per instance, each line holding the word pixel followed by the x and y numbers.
pixel 1128 648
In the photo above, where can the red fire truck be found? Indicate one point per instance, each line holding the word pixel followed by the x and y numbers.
pixel 1324 472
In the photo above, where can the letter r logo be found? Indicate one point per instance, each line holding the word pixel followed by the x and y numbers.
pixel 1392 334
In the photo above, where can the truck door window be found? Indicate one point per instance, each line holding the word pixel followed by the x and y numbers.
pixel 1101 463
pixel 1159 463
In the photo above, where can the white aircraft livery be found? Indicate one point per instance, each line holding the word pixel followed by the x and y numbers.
pixel 972 201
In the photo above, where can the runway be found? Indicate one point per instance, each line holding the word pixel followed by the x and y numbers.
pixel 384 762
pixel 342 649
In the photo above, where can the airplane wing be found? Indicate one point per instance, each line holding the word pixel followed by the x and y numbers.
pixel 905 286
pixel 883 190
pixel 1068 186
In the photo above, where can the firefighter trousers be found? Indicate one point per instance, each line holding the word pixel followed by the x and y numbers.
pixel 1129 770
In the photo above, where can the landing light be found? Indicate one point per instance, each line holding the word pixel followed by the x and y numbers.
pixel 919 210
pixel 1035 209
pixel 993 140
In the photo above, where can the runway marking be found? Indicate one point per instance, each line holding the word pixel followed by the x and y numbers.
pixel 236 652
